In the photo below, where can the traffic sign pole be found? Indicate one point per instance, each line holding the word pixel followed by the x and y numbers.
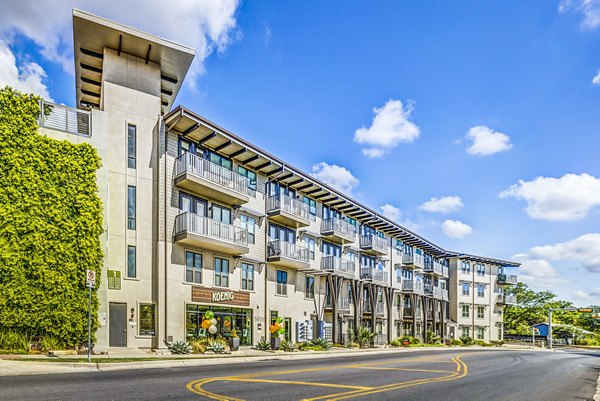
pixel 90 325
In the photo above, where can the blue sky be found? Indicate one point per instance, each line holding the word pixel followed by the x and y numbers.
pixel 474 123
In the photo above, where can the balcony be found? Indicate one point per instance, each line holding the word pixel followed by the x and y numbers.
pixel 336 264
pixel 288 211
pixel 434 268
pixel 444 294
pixel 413 260
pixel 373 274
pixel 203 232
pixel 414 286
pixel 338 230
pixel 285 254
pixel 433 291
pixel 374 245
pixel 205 178
pixel 507 279
pixel 407 312
pixel 503 299
pixel 344 303
pixel 65 119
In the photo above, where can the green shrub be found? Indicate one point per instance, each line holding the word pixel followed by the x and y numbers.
pixel 215 346
pixel 199 345
pixel 397 342
pixel 288 346
pixel 466 340
pixel 14 342
pixel 432 338
pixel 353 345
pixel 180 348
pixel 263 345
pixel 364 337
pixel 456 342
pixel 50 343
pixel 316 344
pixel 481 343
pixel 51 222
pixel 497 343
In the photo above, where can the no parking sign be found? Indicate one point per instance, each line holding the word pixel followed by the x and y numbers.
pixel 90 279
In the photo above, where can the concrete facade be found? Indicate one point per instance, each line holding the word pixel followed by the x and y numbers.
pixel 219 224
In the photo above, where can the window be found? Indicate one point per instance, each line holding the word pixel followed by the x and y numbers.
pixel 312 207
pixel 250 175
pixel 466 332
pixel 247 276
pixel 480 269
pixel 281 282
pixel 248 223
pixel 131 134
pixel 147 320
pixel 221 272
pixel 466 266
pixel 350 298
pixel 480 333
pixel 310 244
pixel 480 312
pixel 131 262
pixel 193 267
pixel 220 213
pixel 189 203
pixel 399 247
pixel 131 207
pixel 466 288
pixel 465 311
pixel 309 290
pixel 480 290
pixel 281 233
pixel 219 160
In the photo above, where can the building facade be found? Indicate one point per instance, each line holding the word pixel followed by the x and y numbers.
pixel 197 219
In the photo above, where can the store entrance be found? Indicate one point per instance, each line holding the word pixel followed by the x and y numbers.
pixel 228 319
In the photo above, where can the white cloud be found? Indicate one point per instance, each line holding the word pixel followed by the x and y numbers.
pixel 391 212
pixel 338 177
pixel 590 9
pixel 390 127
pixel 206 25
pixel 486 141
pixel 446 204
pixel 591 295
pixel 596 79
pixel 29 77
pixel 557 199
pixel 538 272
pixel 584 249
pixel 456 229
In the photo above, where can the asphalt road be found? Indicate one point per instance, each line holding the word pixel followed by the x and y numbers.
pixel 457 374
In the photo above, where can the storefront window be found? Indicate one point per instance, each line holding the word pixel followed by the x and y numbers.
pixel 147 320
pixel 227 320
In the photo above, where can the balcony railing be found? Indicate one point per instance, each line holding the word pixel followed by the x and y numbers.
pixel 335 263
pixel 407 311
pixel 204 226
pixel 335 226
pixel 197 166
pixel 412 285
pixel 374 242
pixel 413 259
pixel 444 294
pixel 507 279
pixel 370 273
pixel 343 303
pixel 288 204
pixel 283 249
pixel 434 267
pixel 507 299
pixel 66 119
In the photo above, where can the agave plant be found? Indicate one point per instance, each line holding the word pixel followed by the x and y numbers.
pixel 180 348
pixel 288 346
pixel 263 345
pixel 216 346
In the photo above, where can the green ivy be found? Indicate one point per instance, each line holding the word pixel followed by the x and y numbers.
pixel 50 226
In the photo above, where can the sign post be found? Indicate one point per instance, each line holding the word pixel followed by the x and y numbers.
pixel 90 282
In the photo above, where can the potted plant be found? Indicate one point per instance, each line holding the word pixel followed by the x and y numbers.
pixel 234 341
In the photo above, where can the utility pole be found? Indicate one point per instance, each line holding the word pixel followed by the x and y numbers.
pixel 550 328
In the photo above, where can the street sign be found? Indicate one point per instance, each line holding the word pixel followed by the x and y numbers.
pixel 536 331
pixel 90 279
pixel 585 310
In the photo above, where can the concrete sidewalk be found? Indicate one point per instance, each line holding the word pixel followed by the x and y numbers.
pixel 42 365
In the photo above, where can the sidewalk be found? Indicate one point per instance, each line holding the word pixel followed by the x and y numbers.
pixel 14 365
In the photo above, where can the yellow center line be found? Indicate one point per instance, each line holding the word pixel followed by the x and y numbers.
pixel 403 369
pixel 301 383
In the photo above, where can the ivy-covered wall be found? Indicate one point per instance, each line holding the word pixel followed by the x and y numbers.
pixel 50 226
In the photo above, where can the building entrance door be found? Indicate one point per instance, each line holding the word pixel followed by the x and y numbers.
pixel 117 325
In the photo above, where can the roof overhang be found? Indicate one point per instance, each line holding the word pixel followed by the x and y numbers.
pixel 91 34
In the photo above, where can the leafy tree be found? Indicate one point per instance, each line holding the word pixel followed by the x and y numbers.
pixel 50 226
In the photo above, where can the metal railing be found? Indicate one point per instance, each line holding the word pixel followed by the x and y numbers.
pixel 379 307
pixel 406 311
pixel 195 165
pixel 287 250
pixel 434 267
pixel 374 242
pixel 336 225
pixel 444 294
pixel 343 303
pixel 507 278
pixel 413 259
pixel 371 273
pixel 201 225
pixel 335 263
pixel 412 285
pixel 289 205
pixel 66 119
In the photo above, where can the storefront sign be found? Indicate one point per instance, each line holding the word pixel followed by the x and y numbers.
pixel 212 295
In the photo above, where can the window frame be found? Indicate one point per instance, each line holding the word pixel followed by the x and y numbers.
pixel 131 207
pixel 221 276
pixel 131 261
pixel 247 222
pixel 247 283
pixel 152 333
pixel 281 288
pixel 193 268
pixel 131 146
pixel 466 311
pixel 309 287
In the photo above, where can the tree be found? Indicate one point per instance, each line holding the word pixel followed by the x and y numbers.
pixel 531 308
pixel 50 226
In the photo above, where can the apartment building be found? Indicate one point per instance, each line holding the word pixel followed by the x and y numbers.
pixel 197 219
